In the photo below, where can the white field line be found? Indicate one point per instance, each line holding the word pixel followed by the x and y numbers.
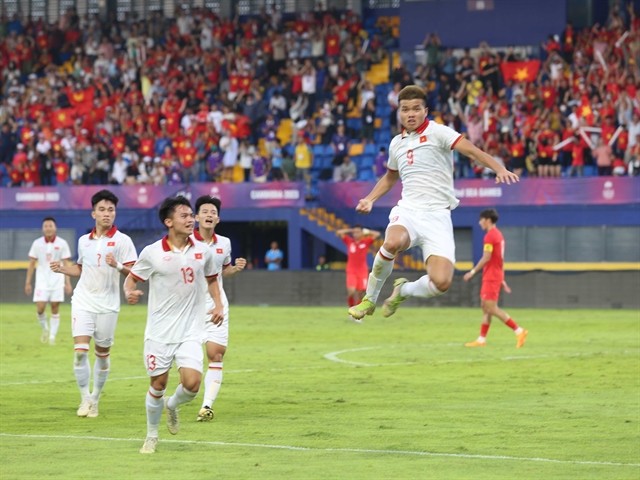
pixel 335 357
pixel 416 453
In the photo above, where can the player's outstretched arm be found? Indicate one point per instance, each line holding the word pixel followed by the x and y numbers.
pixel 131 292
pixel 230 270
pixel 468 149
pixel 386 183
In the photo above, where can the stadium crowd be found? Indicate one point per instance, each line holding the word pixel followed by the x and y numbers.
pixel 203 98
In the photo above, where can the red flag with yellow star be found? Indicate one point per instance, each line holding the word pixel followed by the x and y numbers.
pixel 63 118
pixel 520 71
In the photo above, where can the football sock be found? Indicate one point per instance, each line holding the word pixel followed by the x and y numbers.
pixel 484 329
pixel 154 406
pixel 100 374
pixel 351 301
pixel 382 268
pixel 181 395
pixel 81 368
pixel 42 319
pixel 423 287
pixel 212 383
pixel 513 326
pixel 55 325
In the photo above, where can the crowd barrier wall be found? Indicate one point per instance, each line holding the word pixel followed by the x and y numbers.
pixel 310 288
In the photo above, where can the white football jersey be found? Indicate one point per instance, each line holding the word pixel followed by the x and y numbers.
pixel 221 249
pixel 177 289
pixel 424 160
pixel 45 252
pixel 98 290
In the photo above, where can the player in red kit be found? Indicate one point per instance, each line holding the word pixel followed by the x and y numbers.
pixel 492 264
pixel 358 240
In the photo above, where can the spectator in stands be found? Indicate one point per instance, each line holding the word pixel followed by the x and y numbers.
pixel 340 144
pixel 380 163
pixel 603 155
pixel 303 162
pixel 346 171
pixel 368 120
pixel 274 257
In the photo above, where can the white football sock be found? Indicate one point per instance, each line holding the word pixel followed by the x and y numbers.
pixel 42 319
pixel 212 383
pixel 423 287
pixel 382 268
pixel 154 406
pixel 181 395
pixel 100 374
pixel 55 325
pixel 81 368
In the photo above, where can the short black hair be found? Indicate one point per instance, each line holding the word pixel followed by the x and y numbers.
pixel 208 199
pixel 491 214
pixel 104 195
pixel 49 219
pixel 169 206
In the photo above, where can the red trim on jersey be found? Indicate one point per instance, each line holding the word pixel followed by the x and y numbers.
pixel 421 128
pixel 200 238
pixel 137 277
pixel 112 231
pixel 211 276
pixel 391 169
pixel 127 264
pixel 226 265
pixel 167 247
pixel 454 143
pixel 53 239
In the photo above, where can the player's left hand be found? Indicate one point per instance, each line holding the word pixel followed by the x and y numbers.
pixel 216 315
pixel 505 176
pixel 467 276
pixel 506 287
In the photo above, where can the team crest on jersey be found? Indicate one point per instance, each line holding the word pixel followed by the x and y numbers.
pixel 111 244
pixel 219 250
pixel 56 248
pixel 198 256
pixel 423 138
pixel 394 219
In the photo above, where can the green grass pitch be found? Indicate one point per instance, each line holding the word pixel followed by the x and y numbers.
pixel 309 395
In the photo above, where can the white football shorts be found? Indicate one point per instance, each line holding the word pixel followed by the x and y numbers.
pixel 100 326
pixel 158 357
pixel 217 333
pixel 432 231
pixel 42 295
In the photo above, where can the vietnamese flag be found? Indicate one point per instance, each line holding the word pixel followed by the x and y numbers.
pixel 63 118
pixel 82 100
pixel 520 71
